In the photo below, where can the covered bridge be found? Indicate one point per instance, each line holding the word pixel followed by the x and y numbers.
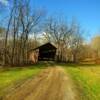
pixel 46 52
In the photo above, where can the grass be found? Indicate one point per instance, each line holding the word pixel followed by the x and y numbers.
pixel 88 77
pixel 12 76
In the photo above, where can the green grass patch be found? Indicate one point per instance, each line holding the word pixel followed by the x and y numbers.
pixel 88 77
pixel 12 76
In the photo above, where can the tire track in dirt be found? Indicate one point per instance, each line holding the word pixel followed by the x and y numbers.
pixel 51 84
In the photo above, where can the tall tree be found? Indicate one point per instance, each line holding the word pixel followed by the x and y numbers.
pixel 22 22
pixel 75 41
pixel 57 31
pixel 95 43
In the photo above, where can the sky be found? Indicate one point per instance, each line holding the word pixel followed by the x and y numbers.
pixel 5 2
pixel 87 12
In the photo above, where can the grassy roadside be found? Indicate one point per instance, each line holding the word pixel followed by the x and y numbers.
pixel 12 76
pixel 88 78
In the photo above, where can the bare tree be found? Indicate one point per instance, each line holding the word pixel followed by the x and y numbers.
pixel 75 41
pixel 22 22
pixel 6 36
pixel 65 37
pixel 57 31
pixel 96 48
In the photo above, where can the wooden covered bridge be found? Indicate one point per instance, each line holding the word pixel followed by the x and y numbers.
pixel 46 52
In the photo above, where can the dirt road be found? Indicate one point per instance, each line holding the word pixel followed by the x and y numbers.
pixel 51 84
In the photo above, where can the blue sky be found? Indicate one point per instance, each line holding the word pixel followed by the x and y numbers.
pixel 87 12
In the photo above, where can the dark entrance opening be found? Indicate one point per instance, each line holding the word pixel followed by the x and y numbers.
pixel 47 52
